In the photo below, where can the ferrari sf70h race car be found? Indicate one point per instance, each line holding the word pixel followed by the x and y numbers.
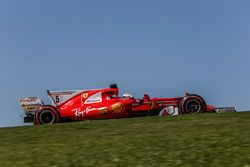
pixel 76 105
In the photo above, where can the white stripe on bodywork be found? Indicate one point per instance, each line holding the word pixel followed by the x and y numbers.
pixel 60 97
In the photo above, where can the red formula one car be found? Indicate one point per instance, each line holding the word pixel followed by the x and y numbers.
pixel 106 104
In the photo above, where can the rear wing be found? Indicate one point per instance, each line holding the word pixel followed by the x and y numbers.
pixel 30 105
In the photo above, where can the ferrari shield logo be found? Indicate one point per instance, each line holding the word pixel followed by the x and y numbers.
pixel 151 104
pixel 85 95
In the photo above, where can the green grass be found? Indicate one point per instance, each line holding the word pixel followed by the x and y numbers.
pixel 189 140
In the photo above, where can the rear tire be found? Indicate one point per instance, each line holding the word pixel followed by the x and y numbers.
pixel 47 115
pixel 192 105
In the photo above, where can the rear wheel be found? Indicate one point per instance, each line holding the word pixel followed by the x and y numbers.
pixel 192 105
pixel 47 115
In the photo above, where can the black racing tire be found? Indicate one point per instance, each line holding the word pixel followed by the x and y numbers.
pixel 47 115
pixel 192 105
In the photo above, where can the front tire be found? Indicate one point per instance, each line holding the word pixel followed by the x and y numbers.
pixel 47 115
pixel 192 105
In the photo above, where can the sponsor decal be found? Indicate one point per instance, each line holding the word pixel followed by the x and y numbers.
pixel 79 113
pixel 31 108
pixel 164 112
pixel 170 110
pixel 30 101
pixel 117 108
pixel 103 111
pixel 93 100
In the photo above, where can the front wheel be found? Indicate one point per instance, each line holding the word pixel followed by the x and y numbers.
pixel 192 105
pixel 47 115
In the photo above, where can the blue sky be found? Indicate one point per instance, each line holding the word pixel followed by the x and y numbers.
pixel 163 48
